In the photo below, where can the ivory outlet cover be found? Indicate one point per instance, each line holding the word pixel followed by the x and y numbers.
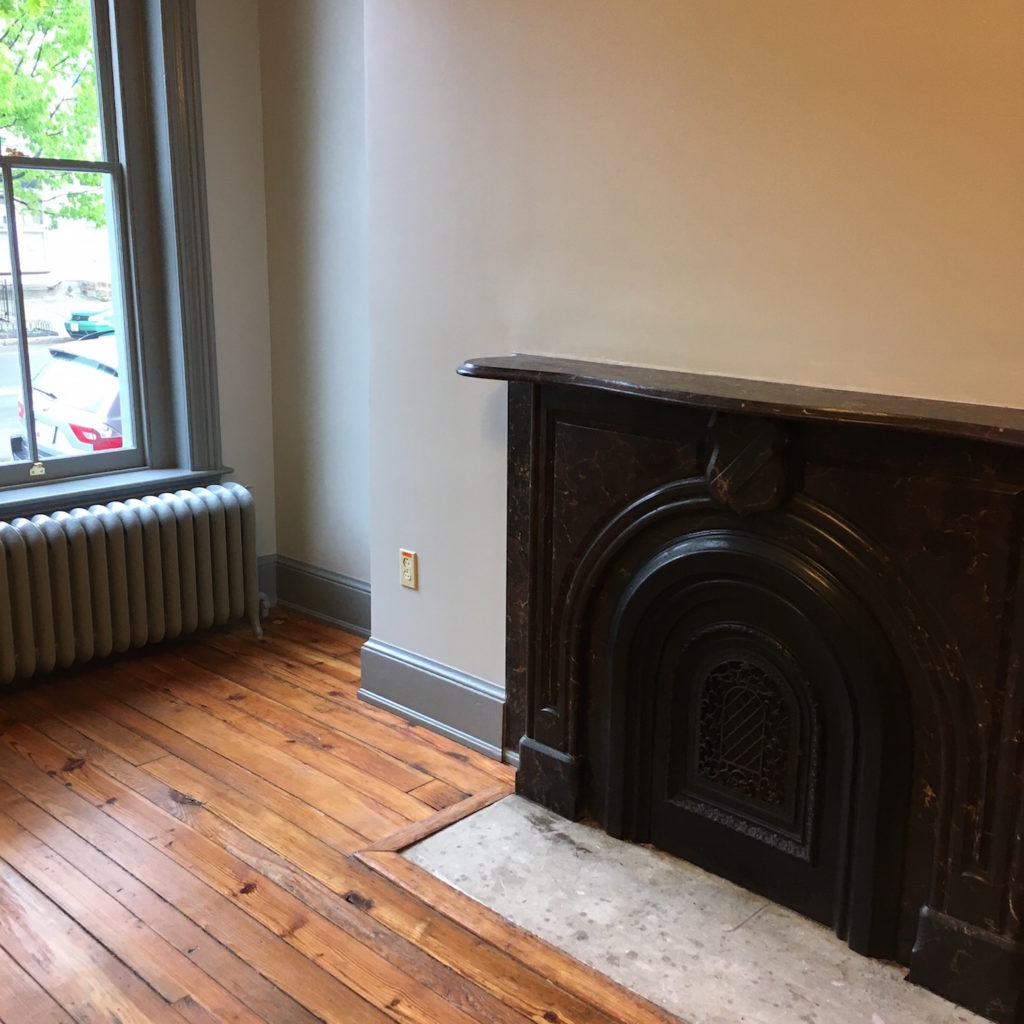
pixel 408 565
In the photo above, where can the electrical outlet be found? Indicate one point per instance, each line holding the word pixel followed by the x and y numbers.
pixel 408 566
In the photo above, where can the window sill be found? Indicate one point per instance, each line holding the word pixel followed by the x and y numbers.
pixel 100 489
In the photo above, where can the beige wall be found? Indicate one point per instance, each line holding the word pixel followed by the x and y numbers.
pixel 312 92
pixel 233 141
pixel 828 193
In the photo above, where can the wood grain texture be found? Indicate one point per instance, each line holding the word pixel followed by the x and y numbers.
pixel 455 812
pixel 178 840
pixel 586 984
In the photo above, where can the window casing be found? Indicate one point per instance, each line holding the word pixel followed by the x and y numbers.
pixel 152 167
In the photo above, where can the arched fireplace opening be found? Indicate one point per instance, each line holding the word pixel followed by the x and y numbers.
pixel 751 717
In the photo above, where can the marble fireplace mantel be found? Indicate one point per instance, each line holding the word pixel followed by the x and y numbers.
pixel 630 489
pixel 757 397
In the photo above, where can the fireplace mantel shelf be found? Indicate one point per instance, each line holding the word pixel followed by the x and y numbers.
pixel 758 397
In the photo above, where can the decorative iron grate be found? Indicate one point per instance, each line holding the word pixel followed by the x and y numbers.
pixel 744 732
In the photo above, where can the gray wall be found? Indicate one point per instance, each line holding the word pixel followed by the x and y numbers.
pixel 823 193
pixel 282 91
pixel 315 164
pixel 827 193
pixel 233 140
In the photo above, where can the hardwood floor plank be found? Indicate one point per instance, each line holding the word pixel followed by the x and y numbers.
pixel 200 799
pixel 65 887
pixel 179 831
pixel 324 883
pixel 248 986
pixel 343 675
pixel 53 700
pixel 359 968
pixel 169 973
pixel 343 670
pixel 326 877
pixel 570 975
pixel 75 969
pixel 338 679
pixel 367 758
pixel 456 812
pixel 290 970
pixel 290 660
pixel 24 999
pixel 293 808
pixel 317 695
pixel 330 883
pixel 272 764
pixel 316 634
pixel 528 990
pixel 282 648
pixel 336 652
pixel 209 691
pixel 438 794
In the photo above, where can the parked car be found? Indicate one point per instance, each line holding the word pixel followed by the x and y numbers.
pixel 76 397
pixel 90 322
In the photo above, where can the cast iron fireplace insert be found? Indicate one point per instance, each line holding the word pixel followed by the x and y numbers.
pixel 777 630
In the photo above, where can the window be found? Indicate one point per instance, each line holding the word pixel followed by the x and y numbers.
pixel 106 346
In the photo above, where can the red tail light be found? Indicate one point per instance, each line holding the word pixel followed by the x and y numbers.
pixel 91 436
pixel 21 409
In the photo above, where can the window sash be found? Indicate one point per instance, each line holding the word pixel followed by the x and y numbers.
pixel 95 462
pixel 87 464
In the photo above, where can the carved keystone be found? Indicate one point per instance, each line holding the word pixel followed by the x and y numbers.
pixel 747 468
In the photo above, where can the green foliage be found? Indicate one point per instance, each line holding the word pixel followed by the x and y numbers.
pixel 49 105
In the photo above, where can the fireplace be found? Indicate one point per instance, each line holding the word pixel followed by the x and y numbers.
pixel 778 631
pixel 745 712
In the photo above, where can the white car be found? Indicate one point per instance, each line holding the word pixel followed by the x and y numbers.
pixel 76 397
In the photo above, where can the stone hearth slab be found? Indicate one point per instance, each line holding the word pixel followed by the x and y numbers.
pixel 701 947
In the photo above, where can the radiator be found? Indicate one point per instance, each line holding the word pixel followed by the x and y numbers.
pixel 92 582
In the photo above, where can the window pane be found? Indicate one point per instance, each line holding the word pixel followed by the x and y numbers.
pixel 48 98
pixel 81 392
pixel 12 406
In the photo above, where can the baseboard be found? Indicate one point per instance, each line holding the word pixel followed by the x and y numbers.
pixel 324 594
pixel 267 573
pixel 439 697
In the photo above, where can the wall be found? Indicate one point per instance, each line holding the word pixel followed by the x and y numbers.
pixel 233 141
pixel 315 165
pixel 822 193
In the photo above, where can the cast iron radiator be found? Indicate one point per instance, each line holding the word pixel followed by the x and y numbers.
pixel 91 582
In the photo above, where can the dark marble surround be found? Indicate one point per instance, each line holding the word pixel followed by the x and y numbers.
pixel 630 489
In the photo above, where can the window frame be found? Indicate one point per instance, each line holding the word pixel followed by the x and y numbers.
pixel 97 462
pixel 153 92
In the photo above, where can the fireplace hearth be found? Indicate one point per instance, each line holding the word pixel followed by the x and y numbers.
pixel 778 631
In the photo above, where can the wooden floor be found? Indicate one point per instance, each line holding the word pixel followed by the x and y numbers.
pixel 209 833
